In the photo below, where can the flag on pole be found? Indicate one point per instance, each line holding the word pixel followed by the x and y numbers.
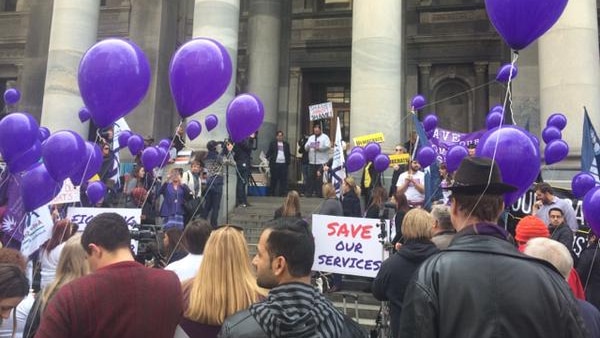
pixel 38 229
pixel 590 148
pixel 338 169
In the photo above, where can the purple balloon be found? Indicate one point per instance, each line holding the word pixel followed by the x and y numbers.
pixel 557 120
pixel 520 22
pixel 582 183
pixel 381 162
pixel 355 162
pixel 163 156
pixel 454 156
pixel 418 102
pixel 114 76
pixel 150 158
pixel 84 114
pixel 62 153
pixel 135 143
pixel 18 133
pixel 12 96
pixel 591 209
pixel 556 151
pixel 245 114
pixel 357 149
pixel 550 134
pixel 26 159
pixel 44 133
pixel 165 143
pixel 90 164
pixel 504 73
pixel 38 187
pixel 211 121
pixel 193 129
pixel 426 155
pixel 430 122
pixel 199 74
pixel 123 137
pixel 517 156
pixel 493 120
pixel 95 192
pixel 372 149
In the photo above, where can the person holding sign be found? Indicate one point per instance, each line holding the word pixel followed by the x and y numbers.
pixel 317 145
pixel 481 286
pixel 412 184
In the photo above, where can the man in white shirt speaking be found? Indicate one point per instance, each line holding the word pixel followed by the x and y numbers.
pixel 412 184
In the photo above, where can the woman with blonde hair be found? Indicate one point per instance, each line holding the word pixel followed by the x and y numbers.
pixel 290 207
pixel 331 205
pixel 51 250
pixel 350 201
pixel 223 285
pixel 72 264
pixel 395 273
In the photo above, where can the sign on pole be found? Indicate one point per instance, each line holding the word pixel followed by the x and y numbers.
pixel 361 141
pixel 321 111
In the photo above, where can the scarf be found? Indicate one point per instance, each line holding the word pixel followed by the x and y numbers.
pixel 298 310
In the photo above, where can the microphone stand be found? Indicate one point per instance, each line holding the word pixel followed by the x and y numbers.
pixel 382 323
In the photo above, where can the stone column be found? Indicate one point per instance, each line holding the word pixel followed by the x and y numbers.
pixel 424 79
pixel 526 90
pixel 74 29
pixel 264 26
pixel 376 82
pixel 293 129
pixel 480 95
pixel 570 73
pixel 219 20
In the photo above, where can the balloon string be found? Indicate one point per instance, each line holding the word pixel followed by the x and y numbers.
pixel 508 96
pixel 587 279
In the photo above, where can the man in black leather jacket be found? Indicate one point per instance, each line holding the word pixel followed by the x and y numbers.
pixel 293 307
pixel 481 286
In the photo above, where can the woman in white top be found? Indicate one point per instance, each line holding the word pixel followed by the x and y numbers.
pixel 50 252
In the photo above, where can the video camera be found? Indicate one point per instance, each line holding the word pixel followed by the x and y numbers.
pixel 149 239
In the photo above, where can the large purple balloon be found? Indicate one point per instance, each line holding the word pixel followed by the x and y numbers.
pixel 516 155
pixel 381 162
pixel 418 102
pixel 426 155
pixel 135 143
pixel 63 152
pixel 430 122
pixel 18 133
pixel 199 74
pixel 557 120
pixel 504 73
pixel 25 160
pixel 493 120
pixel 355 162
pixel 520 22
pixel 550 134
pixel 371 150
pixel 591 209
pixel 123 137
pixel 95 192
pixel 556 151
pixel 90 164
pixel 12 96
pixel 245 114
pixel 84 114
pixel 193 129
pixel 454 156
pixel 44 133
pixel 163 156
pixel 114 76
pixel 38 187
pixel 211 121
pixel 150 158
pixel 582 183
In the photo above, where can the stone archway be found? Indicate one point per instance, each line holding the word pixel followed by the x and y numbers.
pixel 453 105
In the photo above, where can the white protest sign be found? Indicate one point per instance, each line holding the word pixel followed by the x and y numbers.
pixel 68 194
pixel 81 217
pixel 347 245
pixel 38 229
pixel 321 111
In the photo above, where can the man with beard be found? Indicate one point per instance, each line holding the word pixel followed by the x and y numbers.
pixel 412 184
pixel 546 200
pixel 293 307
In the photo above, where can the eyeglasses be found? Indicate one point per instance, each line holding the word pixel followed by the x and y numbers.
pixel 236 227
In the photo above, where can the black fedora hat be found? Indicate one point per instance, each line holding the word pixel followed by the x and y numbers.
pixel 477 175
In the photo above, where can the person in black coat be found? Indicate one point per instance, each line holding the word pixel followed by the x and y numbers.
pixel 395 273
pixel 279 158
pixel 242 154
pixel 560 231
pixel 588 268
pixel 350 201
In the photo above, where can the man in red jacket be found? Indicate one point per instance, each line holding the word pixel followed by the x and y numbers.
pixel 121 298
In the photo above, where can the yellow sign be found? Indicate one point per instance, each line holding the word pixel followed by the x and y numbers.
pixel 361 141
pixel 399 159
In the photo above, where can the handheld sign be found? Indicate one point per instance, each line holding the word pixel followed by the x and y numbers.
pixel 347 245
pixel 321 111
pixel 361 141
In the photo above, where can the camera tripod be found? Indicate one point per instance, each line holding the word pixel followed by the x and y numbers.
pixel 382 322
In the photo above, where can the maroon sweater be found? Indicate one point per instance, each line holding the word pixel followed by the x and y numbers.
pixel 123 299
